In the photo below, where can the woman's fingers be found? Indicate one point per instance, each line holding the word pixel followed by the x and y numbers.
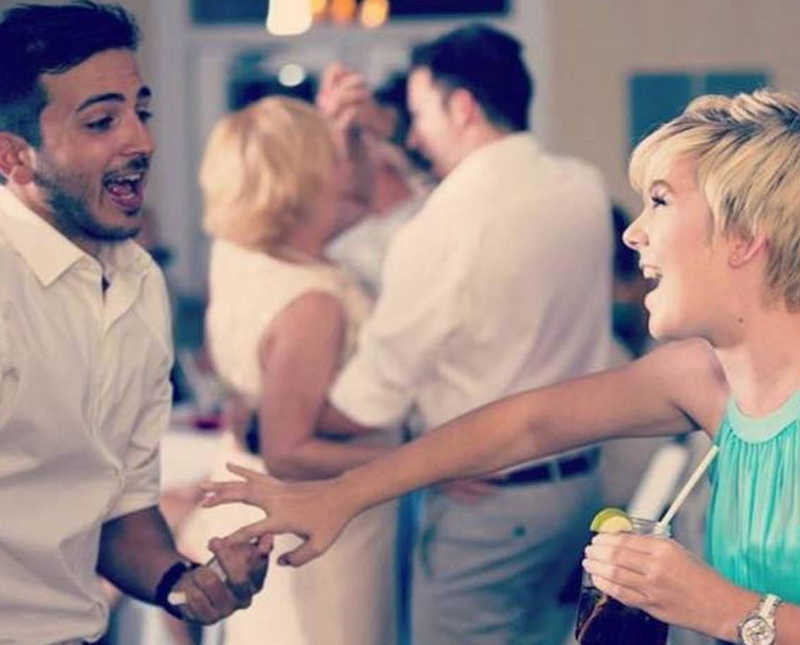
pixel 619 557
pixel 245 472
pixel 258 531
pixel 306 552
pixel 223 493
pixel 252 532
pixel 626 595
pixel 251 491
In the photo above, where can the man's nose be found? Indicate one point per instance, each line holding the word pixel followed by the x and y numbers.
pixel 139 139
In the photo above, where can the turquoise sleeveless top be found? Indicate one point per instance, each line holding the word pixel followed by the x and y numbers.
pixel 753 524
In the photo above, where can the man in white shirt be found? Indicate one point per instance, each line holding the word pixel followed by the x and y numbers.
pixel 501 283
pixel 85 341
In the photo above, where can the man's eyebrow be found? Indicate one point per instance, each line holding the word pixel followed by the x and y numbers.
pixel 100 98
pixel 143 93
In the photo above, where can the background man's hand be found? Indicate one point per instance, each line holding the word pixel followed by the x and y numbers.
pixel 345 99
pixel 467 491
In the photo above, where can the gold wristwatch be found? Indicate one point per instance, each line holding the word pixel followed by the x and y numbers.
pixel 758 627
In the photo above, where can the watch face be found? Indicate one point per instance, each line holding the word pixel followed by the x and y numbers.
pixel 757 631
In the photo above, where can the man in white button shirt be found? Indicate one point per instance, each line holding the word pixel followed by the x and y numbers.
pixel 501 283
pixel 85 343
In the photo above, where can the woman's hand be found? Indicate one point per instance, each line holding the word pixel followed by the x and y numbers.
pixel 311 510
pixel 661 577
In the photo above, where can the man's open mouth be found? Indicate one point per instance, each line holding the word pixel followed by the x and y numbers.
pixel 126 190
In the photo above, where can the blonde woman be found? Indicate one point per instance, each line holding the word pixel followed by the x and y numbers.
pixel 280 321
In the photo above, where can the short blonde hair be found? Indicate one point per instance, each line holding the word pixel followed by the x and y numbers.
pixel 747 150
pixel 263 169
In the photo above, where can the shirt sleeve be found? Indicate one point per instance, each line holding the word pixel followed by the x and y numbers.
pixel 413 321
pixel 142 467
pixel 142 463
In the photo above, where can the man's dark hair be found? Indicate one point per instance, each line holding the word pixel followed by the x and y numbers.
pixel 37 39
pixel 486 62
pixel 392 94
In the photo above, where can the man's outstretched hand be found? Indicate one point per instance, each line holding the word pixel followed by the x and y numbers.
pixel 208 597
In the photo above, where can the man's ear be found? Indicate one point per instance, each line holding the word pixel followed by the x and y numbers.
pixel 743 248
pixel 462 106
pixel 16 158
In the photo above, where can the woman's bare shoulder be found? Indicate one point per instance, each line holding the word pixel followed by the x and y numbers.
pixel 692 374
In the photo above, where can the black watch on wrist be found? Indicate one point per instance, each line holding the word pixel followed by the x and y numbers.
pixel 758 627
pixel 168 581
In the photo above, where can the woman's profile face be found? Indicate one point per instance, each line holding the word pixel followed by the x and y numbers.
pixel 682 261
pixel 342 200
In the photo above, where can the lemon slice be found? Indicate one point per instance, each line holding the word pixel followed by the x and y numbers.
pixel 611 520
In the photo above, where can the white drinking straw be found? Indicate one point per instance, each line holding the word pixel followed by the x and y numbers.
pixel 687 487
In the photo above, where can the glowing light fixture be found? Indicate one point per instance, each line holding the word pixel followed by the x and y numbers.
pixel 374 13
pixel 288 17
pixel 319 8
pixel 291 75
pixel 342 11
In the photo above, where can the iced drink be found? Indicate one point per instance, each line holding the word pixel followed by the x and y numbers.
pixel 605 621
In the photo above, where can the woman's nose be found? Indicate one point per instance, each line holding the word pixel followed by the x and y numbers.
pixel 634 236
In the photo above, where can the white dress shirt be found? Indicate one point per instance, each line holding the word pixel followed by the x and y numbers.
pixel 84 397
pixel 501 283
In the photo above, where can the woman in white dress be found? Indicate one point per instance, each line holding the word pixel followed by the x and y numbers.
pixel 281 320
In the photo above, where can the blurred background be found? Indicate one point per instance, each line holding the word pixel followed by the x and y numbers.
pixel 606 73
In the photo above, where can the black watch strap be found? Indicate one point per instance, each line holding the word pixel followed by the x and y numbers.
pixel 167 582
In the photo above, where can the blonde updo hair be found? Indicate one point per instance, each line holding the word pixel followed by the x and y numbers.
pixel 263 169
pixel 747 150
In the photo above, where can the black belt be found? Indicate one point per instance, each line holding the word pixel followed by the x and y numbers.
pixel 550 471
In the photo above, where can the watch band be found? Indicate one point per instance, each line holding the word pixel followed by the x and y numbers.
pixel 765 612
pixel 168 581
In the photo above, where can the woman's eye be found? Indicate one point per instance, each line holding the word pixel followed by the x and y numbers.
pixel 145 115
pixel 657 200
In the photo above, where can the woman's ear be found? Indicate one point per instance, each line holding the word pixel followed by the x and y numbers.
pixel 743 249
pixel 16 158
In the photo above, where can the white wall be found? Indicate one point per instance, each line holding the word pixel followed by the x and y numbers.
pixel 581 52
pixel 597 45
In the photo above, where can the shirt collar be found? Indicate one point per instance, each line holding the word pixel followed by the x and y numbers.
pixel 505 145
pixel 50 254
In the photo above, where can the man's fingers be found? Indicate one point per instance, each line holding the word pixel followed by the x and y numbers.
pixel 233 562
pixel 220 596
pixel 197 606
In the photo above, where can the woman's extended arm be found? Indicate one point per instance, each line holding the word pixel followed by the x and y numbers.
pixel 674 389
pixel 299 356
